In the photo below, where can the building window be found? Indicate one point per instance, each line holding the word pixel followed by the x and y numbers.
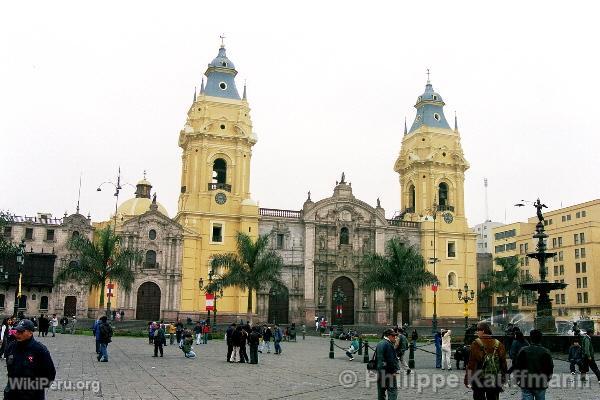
pixel 28 233
pixel 576 238
pixel 550 221
pixel 568 217
pixel 217 233
pixel 582 238
pixel 526 247
pixel 152 234
pixel 577 214
pixel 526 261
pixel 578 283
pixel 50 234
pixel 583 267
pixel 577 268
pixel 451 249
pixel 579 298
pixel 280 238
pixel 563 218
pixel 412 197
pixel 582 252
pixel 443 194
pixel 451 280
pixel 553 242
pixel 582 214
pixel 500 248
pixel 576 253
pixel 44 303
pixel 556 270
pixel 1 301
pixel 560 256
pixel 560 241
pixel 23 302
pixel 7 231
pixel 557 299
pixel 585 297
pixel 562 298
pixel 344 236
pixel 150 259
pixel 219 174
pixel 562 270
pixel 584 282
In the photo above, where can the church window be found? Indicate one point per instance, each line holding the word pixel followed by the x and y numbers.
pixel 151 234
pixel 436 116
pixel 217 233
pixel 150 259
pixel 44 303
pixel 344 236
pixel 223 85
pixel 411 197
pixel 443 194
pixel 280 239
pixel 452 280
pixel 219 171
pixel 451 249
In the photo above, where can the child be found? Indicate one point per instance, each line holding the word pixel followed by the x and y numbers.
pixel 353 348
pixel 575 357
pixel 187 342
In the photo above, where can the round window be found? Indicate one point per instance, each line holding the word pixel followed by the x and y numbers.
pixel 434 97
pixel 223 85
pixel 436 116
pixel 222 126
pixel 223 64
pixel 152 234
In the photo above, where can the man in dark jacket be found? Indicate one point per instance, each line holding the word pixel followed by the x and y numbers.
pixel 387 366
pixel 106 333
pixel 533 368
pixel 229 338
pixel 253 341
pixel 29 365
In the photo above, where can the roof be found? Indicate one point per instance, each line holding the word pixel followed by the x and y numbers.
pixel 220 77
pixel 138 206
pixel 430 110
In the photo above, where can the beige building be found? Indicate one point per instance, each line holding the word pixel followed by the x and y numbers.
pixel 574 235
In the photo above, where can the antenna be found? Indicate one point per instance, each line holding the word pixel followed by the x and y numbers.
pixel 78 194
pixel 485 185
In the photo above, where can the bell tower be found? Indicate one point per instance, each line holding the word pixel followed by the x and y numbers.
pixel 431 167
pixel 215 204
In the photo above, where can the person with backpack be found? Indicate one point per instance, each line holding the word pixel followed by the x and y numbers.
pixel 517 344
pixel 588 354
pixel 159 340
pixel 533 368
pixel 486 369
pixel 106 333
pixel 387 366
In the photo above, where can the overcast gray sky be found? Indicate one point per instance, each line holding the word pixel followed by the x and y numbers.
pixel 87 87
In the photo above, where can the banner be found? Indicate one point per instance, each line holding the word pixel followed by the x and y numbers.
pixel 210 301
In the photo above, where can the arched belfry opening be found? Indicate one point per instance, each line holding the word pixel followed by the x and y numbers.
pixel 219 173
pixel 412 196
pixel 443 194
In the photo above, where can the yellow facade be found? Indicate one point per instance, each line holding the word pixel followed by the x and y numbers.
pixel 215 204
pixel 574 234
pixel 431 165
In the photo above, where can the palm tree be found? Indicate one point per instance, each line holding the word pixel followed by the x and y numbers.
pixel 400 271
pixel 254 267
pixel 507 280
pixel 100 260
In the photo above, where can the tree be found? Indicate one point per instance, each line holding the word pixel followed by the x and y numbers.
pixel 253 268
pixel 100 260
pixel 7 248
pixel 400 271
pixel 507 280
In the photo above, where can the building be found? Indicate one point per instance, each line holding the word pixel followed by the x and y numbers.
pixel 573 234
pixel 485 238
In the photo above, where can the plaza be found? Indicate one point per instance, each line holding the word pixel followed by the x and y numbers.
pixel 303 371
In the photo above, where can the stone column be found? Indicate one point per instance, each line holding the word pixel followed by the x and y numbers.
pixel 309 273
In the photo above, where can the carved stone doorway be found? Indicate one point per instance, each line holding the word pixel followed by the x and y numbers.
pixel 148 302
pixel 70 308
pixel 346 285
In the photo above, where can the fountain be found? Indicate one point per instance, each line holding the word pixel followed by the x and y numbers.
pixel 544 320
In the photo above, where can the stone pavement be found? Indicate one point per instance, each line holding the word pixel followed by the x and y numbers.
pixel 303 371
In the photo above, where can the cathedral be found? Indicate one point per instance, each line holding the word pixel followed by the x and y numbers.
pixel 322 242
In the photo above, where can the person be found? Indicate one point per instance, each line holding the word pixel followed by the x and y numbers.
pixel 446 347
pixel 533 368
pixel 438 348
pixel 53 324
pixel 122 315
pixel 267 335
pixel 172 330
pixel 29 365
pixel 3 335
pixel 243 340
pixel 198 332
pixel 96 333
pixel 205 332
pixel 43 324
pixel 118 316
pixel 106 333
pixel 402 341
pixel 236 338
pixel 575 357
pixel 277 337
pixel 229 340
pixel 9 335
pixel 517 344
pixel 303 331
pixel 151 328
pixel 178 331
pixel 588 354
pixel 186 344
pixel 414 336
pixel 159 340
pixel 73 324
pixel 353 348
pixel 486 369
pixel 63 322
pixel 316 324
pixel 323 326
pixel 253 341
pixel 387 366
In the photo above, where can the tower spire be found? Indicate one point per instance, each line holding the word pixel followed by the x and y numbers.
pixel 202 86
pixel 195 88
pixel 428 73
pixel 455 122
pixel 78 195
pixel 405 130
pixel 244 95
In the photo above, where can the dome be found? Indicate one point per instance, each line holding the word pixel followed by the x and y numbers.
pixel 430 110
pixel 429 95
pixel 138 206
pixel 220 78
pixel 144 182
pixel 221 60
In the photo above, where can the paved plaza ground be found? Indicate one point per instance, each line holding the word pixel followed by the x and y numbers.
pixel 303 371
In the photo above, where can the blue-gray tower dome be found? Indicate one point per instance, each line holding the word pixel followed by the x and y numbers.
pixel 430 110
pixel 220 77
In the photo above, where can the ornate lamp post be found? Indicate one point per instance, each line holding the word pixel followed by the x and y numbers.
pixel 466 298
pixel 20 264
pixel 433 260
pixel 339 297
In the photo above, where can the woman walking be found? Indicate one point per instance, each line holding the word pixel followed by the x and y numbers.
pixel 447 350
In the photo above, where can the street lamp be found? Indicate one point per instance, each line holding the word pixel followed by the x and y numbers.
pixel 20 264
pixel 339 297
pixel 433 260
pixel 209 290
pixel 466 298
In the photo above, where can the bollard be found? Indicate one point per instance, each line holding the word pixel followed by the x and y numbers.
pixel 331 348
pixel 411 356
pixel 360 346
pixel 366 353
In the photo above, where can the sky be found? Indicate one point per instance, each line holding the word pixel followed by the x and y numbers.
pixel 88 87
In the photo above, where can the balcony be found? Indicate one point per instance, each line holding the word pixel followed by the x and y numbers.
pixel 271 212
pixel 443 207
pixel 219 186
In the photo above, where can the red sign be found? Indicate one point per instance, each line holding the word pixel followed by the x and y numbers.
pixel 109 294
pixel 210 301
pixel 110 286
pixel 434 288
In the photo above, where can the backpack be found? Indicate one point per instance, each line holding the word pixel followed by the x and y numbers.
pixel 490 366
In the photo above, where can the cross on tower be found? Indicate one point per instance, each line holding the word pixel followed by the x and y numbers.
pixel 428 73
pixel 222 40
